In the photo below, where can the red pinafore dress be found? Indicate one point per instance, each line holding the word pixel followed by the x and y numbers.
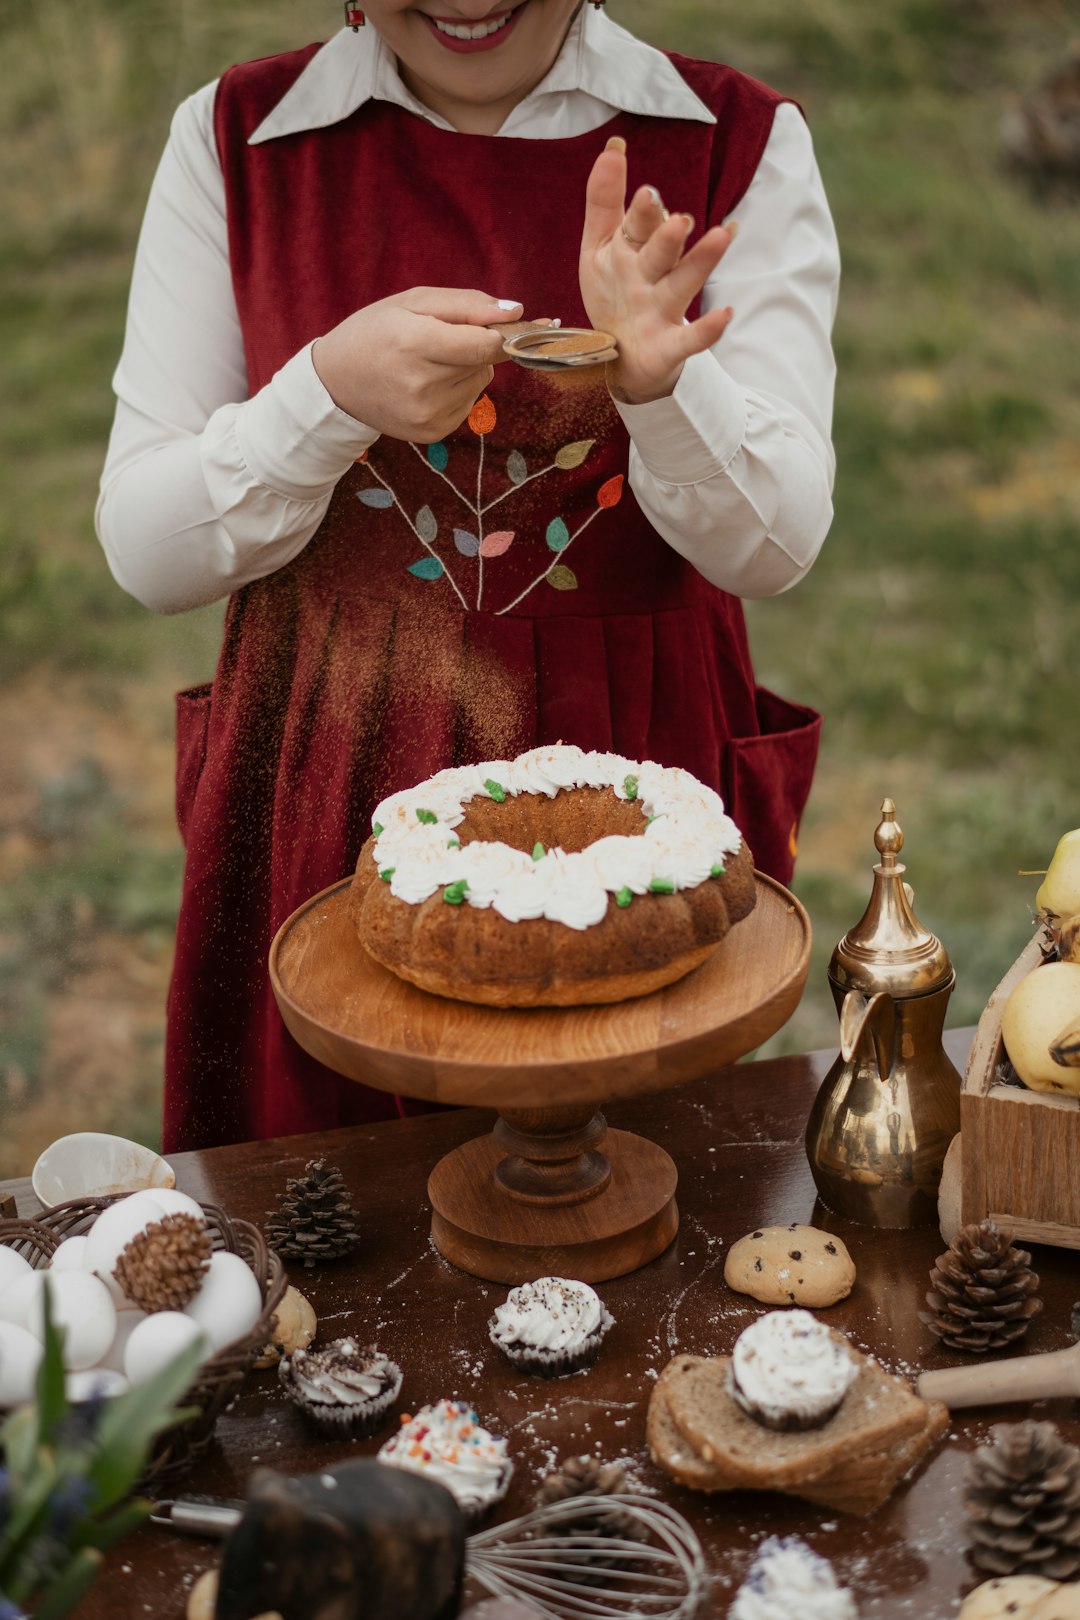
pixel 461 601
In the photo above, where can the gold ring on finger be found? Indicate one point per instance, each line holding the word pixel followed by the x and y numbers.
pixel 633 240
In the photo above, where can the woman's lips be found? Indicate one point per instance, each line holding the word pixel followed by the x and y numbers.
pixel 487 42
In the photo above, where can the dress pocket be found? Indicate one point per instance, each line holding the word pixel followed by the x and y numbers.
pixel 192 725
pixel 767 780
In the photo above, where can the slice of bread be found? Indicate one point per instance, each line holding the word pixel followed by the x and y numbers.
pixel 878 1414
pixel 882 1473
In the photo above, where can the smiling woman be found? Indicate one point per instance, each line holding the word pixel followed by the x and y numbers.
pixel 473 62
pixel 430 561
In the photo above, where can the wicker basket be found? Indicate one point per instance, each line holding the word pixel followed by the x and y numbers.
pixel 220 1377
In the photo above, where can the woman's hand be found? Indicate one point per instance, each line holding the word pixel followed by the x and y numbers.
pixel 412 366
pixel 637 283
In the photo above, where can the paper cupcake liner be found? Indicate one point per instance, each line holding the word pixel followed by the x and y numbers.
pixel 789 1422
pixel 340 1422
pixel 555 1363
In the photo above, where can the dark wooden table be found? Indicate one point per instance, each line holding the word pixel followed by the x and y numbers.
pixel 738 1141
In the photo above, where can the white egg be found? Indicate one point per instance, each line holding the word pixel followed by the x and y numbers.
pixel 112 1231
pixel 12 1267
pixel 81 1309
pixel 21 1298
pixel 92 1381
pixel 229 1303
pixel 177 1203
pixel 20 1358
pixel 126 1323
pixel 70 1256
pixel 157 1341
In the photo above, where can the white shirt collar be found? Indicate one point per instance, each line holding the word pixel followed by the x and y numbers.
pixel 598 57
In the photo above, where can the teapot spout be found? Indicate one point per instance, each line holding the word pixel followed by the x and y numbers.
pixel 877 1013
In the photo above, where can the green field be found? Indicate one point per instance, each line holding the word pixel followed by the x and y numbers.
pixel 935 631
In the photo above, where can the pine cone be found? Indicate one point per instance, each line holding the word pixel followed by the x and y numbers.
pixel 982 1291
pixel 585 1477
pixel 316 1220
pixel 162 1267
pixel 1023 1499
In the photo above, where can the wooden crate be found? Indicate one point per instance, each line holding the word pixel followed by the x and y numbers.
pixel 1020 1149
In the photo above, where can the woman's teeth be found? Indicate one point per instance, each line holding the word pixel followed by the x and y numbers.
pixel 472 30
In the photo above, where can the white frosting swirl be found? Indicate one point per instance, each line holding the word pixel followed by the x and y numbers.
pixel 341 1374
pixel 446 1442
pixel 787 1363
pixel 417 851
pixel 788 1579
pixel 552 1313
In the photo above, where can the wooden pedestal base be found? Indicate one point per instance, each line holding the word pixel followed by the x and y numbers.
pixel 622 1215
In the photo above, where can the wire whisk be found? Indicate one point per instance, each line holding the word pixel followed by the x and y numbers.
pixel 579 1574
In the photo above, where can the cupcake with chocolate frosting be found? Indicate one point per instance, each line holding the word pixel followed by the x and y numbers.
pixel 344 1388
pixel 552 1326
pixel 447 1443
pixel 789 1371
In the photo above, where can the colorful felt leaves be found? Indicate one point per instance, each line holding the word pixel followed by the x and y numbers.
pixel 470 541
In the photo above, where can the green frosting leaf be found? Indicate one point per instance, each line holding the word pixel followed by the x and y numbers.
pixel 630 787
pixel 538 851
pixel 662 886
pixel 453 843
pixel 376 827
pixel 428 817
pixel 497 793
pixel 387 873
pixel 717 869
pixel 454 893
pixel 650 819
pixel 623 898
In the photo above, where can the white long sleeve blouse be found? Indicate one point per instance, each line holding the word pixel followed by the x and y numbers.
pixel 205 489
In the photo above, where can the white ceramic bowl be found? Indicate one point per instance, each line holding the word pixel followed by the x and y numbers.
pixel 92 1165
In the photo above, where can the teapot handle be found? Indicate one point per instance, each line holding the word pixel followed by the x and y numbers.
pixel 878 1012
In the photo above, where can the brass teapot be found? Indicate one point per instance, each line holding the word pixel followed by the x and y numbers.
pixel 890 1105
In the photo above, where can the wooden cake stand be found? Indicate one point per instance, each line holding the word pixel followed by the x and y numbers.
pixel 537 1196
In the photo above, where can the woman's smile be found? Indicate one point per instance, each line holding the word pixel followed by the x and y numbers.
pixel 459 35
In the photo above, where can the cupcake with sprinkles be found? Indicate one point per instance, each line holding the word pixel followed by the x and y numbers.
pixel 343 1388
pixel 553 1326
pixel 447 1443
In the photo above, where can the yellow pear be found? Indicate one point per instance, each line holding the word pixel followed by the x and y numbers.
pixel 1042 1009
pixel 1059 891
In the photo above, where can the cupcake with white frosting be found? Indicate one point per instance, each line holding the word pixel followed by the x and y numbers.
pixel 787 1578
pixel 789 1371
pixel 345 1389
pixel 446 1442
pixel 552 1326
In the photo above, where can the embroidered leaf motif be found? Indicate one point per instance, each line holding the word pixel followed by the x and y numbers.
pixel 562 578
pixel 558 535
pixel 381 498
pixel 427 568
pixel 426 526
pixel 466 543
pixel 517 468
pixel 438 455
pixel 610 494
pixel 572 455
pixel 482 415
pixel 493 545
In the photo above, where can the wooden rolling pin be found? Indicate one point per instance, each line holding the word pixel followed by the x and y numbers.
pixel 1026 1378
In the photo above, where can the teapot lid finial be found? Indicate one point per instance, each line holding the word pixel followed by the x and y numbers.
pixel 888 948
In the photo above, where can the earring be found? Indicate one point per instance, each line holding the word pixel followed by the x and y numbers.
pixel 354 17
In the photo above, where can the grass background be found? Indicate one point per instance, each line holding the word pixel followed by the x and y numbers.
pixel 936 631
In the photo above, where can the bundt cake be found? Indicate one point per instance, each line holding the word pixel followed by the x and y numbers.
pixel 560 878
